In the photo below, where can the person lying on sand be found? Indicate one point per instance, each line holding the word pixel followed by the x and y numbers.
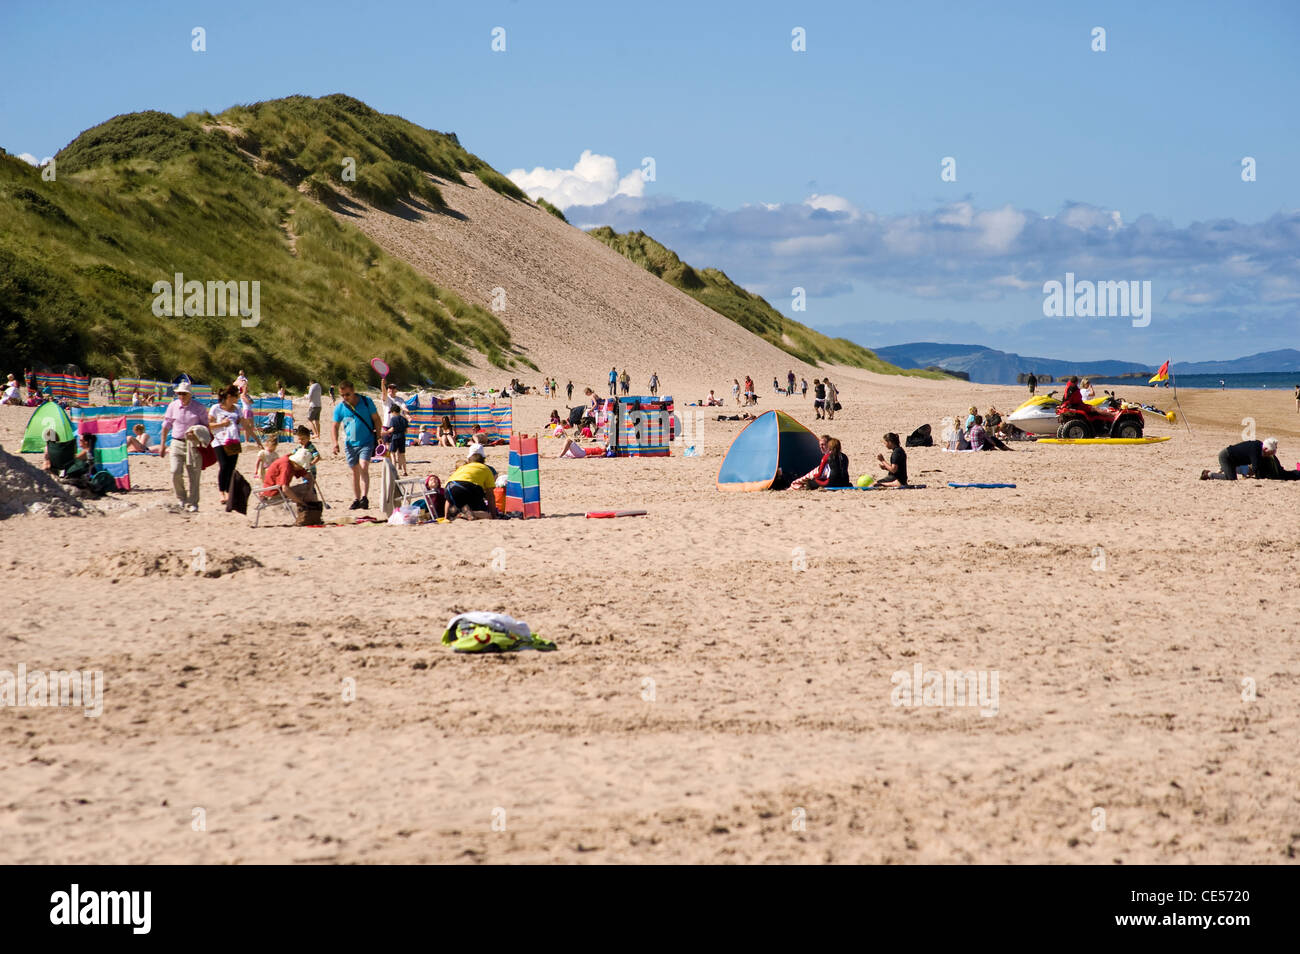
pixel 896 467
pixel 1259 456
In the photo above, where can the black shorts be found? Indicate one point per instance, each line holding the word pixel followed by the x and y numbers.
pixel 397 445
pixel 466 496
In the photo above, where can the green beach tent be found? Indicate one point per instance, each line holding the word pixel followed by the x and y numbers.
pixel 48 414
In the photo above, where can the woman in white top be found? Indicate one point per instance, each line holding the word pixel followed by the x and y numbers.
pixel 1087 392
pixel 229 424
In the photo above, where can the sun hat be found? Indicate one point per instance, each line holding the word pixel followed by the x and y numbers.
pixel 474 448
pixel 182 388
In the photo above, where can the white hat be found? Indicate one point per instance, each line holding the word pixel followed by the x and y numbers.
pixel 182 388
pixel 301 457
pixel 474 449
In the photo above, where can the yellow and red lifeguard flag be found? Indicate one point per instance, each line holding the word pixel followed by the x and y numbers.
pixel 1161 375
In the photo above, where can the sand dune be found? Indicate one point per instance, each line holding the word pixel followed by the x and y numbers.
pixel 767 625
pixel 576 306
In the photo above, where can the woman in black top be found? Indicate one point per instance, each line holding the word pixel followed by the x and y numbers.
pixel 896 467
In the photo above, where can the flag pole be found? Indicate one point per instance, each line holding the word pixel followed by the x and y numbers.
pixel 1173 382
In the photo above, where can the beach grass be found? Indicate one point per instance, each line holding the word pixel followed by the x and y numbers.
pixel 147 195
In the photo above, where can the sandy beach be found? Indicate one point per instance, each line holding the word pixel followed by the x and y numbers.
pixel 722 687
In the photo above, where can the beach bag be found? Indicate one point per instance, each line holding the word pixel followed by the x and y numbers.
pixel 311 514
pixel 101 482
pixel 920 437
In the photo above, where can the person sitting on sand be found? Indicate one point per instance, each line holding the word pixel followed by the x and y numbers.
pixel 11 393
pixel 470 490
pixel 970 418
pixel 833 471
pixel 896 467
pixel 957 439
pixel 1259 456
pixel 446 433
pixel 981 440
pixel 138 441
pixel 992 420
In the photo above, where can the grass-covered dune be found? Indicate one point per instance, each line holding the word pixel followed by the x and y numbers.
pixel 713 288
pixel 225 198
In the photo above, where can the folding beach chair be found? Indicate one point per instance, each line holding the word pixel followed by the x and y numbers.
pixel 274 497
pixel 411 489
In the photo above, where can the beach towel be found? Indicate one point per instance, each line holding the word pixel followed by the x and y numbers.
pixel 481 632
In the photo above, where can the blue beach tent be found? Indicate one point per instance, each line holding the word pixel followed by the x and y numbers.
pixel 774 440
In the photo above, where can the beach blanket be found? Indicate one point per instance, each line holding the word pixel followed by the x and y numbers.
pixel 523 479
pixel 109 427
pixel 491 633
pixel 64 388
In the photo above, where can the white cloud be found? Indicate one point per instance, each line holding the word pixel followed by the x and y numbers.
pixel 592 180
pixel 830 203
pixel 1000 227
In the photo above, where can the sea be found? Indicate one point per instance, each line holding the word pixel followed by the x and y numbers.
pixel 1263 381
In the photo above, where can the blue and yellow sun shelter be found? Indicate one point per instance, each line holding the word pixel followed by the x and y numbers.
pixel 771 442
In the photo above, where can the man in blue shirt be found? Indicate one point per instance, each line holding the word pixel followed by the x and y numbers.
pixel 361 424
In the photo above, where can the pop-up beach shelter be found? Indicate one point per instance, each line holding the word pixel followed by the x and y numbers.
pixel 773 441
pixel 48 414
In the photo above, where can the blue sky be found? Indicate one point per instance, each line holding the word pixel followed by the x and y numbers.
pixel 1116 165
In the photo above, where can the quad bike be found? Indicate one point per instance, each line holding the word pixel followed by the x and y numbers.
pixel 1109 417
